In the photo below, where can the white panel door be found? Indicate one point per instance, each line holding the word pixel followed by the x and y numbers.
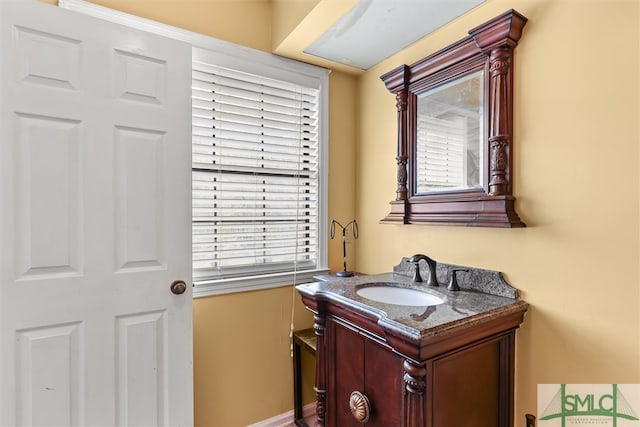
pixel 95 214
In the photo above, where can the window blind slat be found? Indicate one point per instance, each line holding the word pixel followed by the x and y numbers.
pixel 205 109
pixel 216 99
pixel 251 92
pixel 215 234
pixel 206 144
pixel 210 69
pixel 238 134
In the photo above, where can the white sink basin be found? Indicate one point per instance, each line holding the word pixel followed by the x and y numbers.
pixel 398 296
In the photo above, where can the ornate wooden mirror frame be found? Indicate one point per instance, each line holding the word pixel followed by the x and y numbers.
pixel 488 47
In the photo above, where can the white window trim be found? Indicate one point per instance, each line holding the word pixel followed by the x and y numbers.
pixel 243 58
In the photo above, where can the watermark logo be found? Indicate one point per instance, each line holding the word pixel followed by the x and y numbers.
pixel 573 405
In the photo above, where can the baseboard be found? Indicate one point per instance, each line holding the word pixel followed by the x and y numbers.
pixel 286 419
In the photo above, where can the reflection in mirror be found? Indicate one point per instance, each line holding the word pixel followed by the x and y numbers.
pixel 450 134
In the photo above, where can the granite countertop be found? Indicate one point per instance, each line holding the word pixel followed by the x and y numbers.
pixel 472 304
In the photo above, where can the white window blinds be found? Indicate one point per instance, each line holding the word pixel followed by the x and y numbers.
pixel 255 174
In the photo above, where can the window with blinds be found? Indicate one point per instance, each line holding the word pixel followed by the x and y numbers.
pixel 255 174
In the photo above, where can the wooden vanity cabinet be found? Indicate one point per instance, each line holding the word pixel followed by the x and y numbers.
pixel 463 378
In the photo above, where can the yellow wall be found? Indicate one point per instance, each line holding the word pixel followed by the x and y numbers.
pixel 576 184
pixel 245 22
pixel 242 358
pixel 286 15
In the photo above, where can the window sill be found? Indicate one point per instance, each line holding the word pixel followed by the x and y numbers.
pixel 206 288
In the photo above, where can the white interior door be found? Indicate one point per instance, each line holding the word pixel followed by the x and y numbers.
pixel 95 210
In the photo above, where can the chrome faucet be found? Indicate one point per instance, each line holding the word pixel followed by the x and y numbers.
pixel 433 280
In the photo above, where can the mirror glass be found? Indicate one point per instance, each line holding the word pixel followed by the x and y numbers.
pixel 449 150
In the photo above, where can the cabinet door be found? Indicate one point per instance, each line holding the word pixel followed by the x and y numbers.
pixel 346 375
pixel 384 384
pixel 358 363
pixel 471 387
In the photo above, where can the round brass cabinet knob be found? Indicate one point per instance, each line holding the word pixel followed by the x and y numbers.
pixel 360 406
pixel 178 287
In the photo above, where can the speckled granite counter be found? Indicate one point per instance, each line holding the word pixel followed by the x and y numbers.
pixel 484 297
pixel 460 308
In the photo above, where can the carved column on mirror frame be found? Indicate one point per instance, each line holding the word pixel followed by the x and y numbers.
pixel 415 384
pixel 397 82
pixel 497 39
pixel 321 386
pixel 401 158
pixel 499 131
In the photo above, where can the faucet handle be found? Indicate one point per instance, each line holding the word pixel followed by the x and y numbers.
pixel 416 272
pixel 453 282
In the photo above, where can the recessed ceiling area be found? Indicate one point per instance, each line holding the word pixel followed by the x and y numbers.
pixel 373 30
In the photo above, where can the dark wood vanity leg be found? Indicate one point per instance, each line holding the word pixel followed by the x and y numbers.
pixel 415 384
pixel 297 386
pixel 507 381
pixel 321 386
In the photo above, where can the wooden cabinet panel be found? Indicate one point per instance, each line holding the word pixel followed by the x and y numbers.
pixel 346 356
pixel 383 384
pixel 359 363
pixel 465 387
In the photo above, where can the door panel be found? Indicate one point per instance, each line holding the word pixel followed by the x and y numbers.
pixel 95 210
pixel 47 208
pixel 141 371
pixel 140 206
pixel 47 59
pixel 49 371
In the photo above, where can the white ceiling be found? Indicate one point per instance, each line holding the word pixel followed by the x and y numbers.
pixel 373 30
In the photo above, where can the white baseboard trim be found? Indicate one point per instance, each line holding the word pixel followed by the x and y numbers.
pixel 286 419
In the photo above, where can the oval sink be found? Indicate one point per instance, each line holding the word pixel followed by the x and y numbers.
pixel 398 296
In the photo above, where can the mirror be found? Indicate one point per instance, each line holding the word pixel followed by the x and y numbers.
pixel 449 136
pixel 455 142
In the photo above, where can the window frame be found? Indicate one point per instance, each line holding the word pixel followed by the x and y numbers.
pixel 245 59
